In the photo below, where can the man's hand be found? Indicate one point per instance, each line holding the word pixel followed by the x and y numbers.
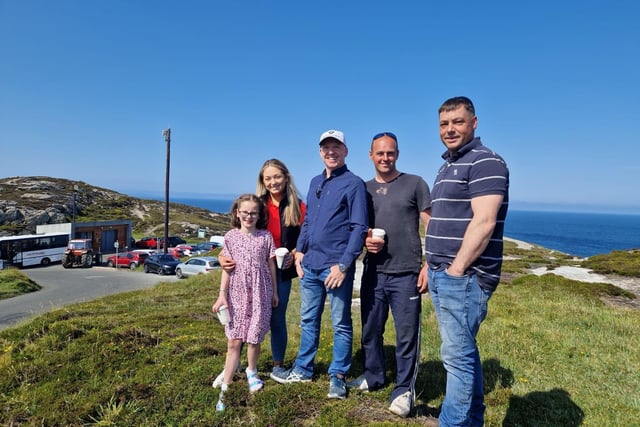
pixel 335 278
pixel 373 245
pixel 423 279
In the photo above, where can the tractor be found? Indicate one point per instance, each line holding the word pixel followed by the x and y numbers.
pixel 79 253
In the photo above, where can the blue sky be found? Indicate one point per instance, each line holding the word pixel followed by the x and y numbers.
pixel 86 88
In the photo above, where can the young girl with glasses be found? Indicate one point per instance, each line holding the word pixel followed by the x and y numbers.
pixel 248 291
pixel 285 213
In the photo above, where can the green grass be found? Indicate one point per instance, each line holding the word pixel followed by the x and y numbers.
pixel 13 283
pixel 624 263
pixel 554 354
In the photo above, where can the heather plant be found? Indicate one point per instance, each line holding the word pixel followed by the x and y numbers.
pixel 624 263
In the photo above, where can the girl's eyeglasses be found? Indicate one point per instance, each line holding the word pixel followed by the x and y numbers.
pixel 246 214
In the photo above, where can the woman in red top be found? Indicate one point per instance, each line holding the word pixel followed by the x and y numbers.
pixel 285 212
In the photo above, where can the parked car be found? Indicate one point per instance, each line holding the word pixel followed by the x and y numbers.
pixel 176 252
pixel 173 241
pixel 158 242
pixel 161 264
pixel 197 265
pixel 146 252
pixel 190 250
pixel 219 240
pixel 147 243
pixel 127 259
pixel 207 246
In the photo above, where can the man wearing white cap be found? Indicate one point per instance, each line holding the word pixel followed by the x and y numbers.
pixel 330 241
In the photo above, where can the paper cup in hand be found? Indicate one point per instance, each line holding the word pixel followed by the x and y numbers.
pixel 280 254
pixel 378 233
pixel 223 315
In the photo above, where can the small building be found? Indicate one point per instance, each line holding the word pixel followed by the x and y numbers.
pixel 103 234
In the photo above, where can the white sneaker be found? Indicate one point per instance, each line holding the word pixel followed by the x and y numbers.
pixel 218 381
pixel 402 404
pixel 359 383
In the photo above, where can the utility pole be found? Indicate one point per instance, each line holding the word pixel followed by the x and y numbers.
pixel 167 137
pixel 73 221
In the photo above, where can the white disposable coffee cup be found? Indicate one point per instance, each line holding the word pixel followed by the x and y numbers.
pixel 280 254
pixel 223 315
pixel 378 233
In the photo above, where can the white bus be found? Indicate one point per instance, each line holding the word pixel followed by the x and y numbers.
pixel 33 249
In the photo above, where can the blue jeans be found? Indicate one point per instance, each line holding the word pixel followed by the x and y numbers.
pixel 279 335
pixel 313 294
pixel 461 306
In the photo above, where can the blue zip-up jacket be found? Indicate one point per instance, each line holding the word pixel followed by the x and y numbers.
pixel 336 222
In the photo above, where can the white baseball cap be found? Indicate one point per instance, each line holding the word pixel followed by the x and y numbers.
pixel 335 134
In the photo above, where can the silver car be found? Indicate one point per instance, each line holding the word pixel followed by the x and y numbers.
pixel 197 265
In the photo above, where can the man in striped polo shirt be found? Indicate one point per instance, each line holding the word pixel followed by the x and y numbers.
pixel 463 247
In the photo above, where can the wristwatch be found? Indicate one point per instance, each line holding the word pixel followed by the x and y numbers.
pixel 342 268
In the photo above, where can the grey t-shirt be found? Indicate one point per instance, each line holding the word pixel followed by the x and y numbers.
pixel 396 206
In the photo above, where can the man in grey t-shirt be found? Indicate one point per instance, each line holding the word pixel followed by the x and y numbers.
pixel 390 279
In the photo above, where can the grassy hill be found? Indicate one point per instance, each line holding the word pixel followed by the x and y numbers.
pixel 29 201
pixel 554 351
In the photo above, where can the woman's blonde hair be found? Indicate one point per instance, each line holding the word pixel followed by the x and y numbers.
pixel 292 212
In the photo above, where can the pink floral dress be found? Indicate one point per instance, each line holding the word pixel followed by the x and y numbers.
pixel 250 285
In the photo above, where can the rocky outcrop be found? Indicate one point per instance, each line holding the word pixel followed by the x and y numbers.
pixel 26 202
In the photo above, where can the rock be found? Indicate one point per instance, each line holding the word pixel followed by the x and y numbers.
pixel 26 202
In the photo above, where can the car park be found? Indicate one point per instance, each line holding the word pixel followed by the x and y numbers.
pixel 161 264
pixel 197 265
pixel 127 259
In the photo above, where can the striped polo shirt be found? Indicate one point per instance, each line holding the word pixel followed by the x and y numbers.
pixel 472 171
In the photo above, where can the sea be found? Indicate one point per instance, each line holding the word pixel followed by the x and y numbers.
pixel 579 234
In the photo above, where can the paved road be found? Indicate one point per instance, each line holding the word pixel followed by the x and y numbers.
pixel 62 286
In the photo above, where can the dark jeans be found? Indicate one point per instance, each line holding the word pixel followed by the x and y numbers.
pixel 378 293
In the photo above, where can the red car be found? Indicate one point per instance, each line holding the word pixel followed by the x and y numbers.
pixel 190 250
pixel 147 243
pixel 175 252
pixel 127 259
pixel 158 242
